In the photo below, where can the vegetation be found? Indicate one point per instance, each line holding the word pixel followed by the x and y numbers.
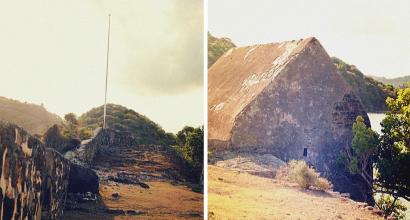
pixel 217 47
pixel 371 92
pixel 127 120
pixel 391 206
pixel 183 134
pixel 33 118
pixel 388 154
pixel 359 158
pixel 191 145
pixel 299 172
pixel 393 155
pixel 58 138
pixel 398 82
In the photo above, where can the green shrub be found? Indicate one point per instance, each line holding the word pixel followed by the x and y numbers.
pixel 391 206
pixel 85 133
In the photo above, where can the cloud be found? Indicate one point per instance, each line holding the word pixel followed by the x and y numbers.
pixel 159 51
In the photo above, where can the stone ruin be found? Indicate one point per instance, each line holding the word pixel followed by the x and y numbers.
pixel 285 99
pixel 33 179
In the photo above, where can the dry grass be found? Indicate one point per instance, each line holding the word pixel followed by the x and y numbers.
pixel 299 172
pixel 236 195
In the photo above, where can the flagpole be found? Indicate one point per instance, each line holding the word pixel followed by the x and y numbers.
pixel 106 71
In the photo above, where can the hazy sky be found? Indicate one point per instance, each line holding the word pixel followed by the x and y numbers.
pixel 374 35
pixel 53 52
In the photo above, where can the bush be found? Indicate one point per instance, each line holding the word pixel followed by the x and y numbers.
pixel 85 133
pixel 391 206
pixel 299 172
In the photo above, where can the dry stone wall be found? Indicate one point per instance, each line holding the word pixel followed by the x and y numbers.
pixel 33 179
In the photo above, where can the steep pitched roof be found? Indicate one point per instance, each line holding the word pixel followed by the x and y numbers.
pixel 239 76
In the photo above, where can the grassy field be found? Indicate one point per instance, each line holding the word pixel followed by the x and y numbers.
pixel 238 195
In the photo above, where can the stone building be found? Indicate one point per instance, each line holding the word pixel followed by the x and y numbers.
pixel 285 99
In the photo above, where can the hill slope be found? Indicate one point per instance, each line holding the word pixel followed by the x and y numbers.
pixel 372 93
pixel 126 120
pixel 34 118
pixel 217 47
pixel 139 182
pixel 238 195
pixel 396 82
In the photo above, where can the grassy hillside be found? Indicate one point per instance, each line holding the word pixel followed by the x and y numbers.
pixel 396 82
pixel 127 120
pixel 34 118
pixel 217 47
pixel 372 93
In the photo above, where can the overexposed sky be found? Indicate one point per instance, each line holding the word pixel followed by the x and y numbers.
pixel 374 35
pixel 53 52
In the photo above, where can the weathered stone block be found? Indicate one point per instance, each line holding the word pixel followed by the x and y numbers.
pixel 285 99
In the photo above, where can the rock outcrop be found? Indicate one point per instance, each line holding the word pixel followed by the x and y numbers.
pixel 82 180
pixel 33 182
pixel 285 99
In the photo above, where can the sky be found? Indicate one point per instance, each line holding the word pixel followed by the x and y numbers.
pixel 374 35
pixel 54 52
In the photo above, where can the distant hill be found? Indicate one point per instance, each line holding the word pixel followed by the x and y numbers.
pixel 396 82
pixel 371 92
pixel 33 118
pixel 217 47
pixel 126 120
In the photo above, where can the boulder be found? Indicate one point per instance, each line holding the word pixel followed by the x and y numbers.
pixel 82 180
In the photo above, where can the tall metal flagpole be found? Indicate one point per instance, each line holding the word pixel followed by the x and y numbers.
pixel 106 70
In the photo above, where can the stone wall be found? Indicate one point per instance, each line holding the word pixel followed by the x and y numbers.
pixel 33 179
pixel 102 141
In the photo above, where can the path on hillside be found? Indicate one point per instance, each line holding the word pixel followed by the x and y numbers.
pixel 149 185
pixel 239 195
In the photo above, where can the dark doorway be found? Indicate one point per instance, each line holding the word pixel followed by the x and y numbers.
pixel 305 152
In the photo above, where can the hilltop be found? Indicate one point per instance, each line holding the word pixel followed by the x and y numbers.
pixel 371 92
pixel 127 120
pixel 217 47
pixel 396 82
pixel 34 118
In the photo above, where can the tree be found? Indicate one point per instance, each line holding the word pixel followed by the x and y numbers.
pixel 358 159
pixel 389 154
pixel 195 144
pixel 393 156
pixel 71 118
pixel 70 125
pixel 182 135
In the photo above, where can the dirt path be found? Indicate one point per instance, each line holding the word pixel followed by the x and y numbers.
pixel 162 201
pixel 238 195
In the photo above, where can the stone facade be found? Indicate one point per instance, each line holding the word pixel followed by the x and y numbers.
pixel 285 99
pixel 33 179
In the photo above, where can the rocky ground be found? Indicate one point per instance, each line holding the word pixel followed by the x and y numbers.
pixel 139 182
pixel 234 194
